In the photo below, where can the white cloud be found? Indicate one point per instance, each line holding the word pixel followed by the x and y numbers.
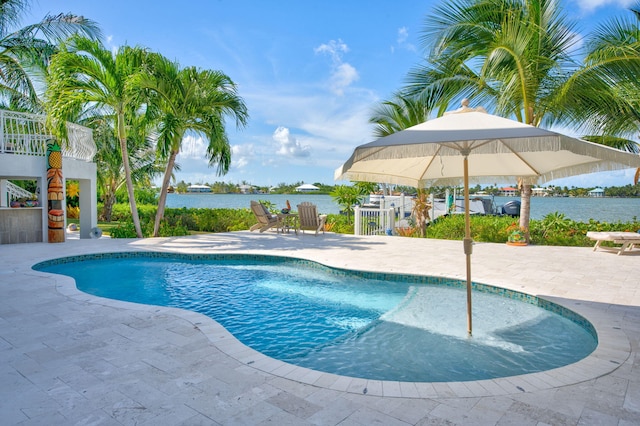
pixel 342 77
pixel 343 74
pixel 335 49
pixel 289 145
pixel 403 35
pixel 241 155
pixel 401 40
pixel 193 147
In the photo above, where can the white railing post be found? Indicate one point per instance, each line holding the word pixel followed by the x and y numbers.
pixel 357 220
pixel 2 147
pixel 389 221
pixel 4 193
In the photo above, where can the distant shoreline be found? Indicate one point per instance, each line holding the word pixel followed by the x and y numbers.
pixel 581 209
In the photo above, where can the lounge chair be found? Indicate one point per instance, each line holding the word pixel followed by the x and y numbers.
pixel 627 239
pixel 266 219
pixel 309 218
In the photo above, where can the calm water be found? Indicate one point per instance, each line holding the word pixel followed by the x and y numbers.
pixel 343 323
pixel 579 209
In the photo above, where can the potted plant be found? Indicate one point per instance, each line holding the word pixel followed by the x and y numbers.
pixel 517 236
pixel 31 202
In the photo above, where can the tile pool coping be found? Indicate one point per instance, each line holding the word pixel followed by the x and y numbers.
pixel 612 350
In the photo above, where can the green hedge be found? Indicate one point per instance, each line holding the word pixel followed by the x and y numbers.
pixel 555 229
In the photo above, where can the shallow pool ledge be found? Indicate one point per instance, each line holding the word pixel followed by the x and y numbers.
pixel 612 351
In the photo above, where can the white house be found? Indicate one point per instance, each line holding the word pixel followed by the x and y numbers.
pixel 307 187
pixel 198 188
pixel 539 192
pixel 597 192
pixel 246 189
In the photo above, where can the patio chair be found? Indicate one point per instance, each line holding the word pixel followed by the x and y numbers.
pixel 309 218
pixel 266 219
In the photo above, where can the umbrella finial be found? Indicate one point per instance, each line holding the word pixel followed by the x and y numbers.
pixel 466 108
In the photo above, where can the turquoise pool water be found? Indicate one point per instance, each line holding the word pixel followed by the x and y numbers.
pixel 375 326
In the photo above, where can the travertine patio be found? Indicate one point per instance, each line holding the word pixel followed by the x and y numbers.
pixel 70 358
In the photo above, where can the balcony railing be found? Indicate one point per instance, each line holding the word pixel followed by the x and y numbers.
pixel 27 134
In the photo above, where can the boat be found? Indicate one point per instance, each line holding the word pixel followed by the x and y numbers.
pixel 478 204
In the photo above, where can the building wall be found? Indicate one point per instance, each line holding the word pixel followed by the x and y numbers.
pixel 22 167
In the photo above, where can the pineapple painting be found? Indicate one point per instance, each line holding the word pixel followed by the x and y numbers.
pixel 55 193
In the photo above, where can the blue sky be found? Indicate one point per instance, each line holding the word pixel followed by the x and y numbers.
pixel 309 72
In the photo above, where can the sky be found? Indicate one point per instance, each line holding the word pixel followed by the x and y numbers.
pixel 310 72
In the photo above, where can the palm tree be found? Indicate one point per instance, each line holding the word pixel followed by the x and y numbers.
pixel 86 80
pixel 602 96
pixel 185 101
pixel 398 114
pixel 510 55
pixel 25 52
pixel 111 176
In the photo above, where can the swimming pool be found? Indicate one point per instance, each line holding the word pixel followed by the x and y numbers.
pixel 369 325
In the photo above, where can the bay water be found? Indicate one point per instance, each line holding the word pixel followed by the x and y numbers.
pixel 578 209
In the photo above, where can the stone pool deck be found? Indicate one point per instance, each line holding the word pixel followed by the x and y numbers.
pixel 69 358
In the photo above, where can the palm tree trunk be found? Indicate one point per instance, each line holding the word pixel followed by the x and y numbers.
pixel 525 209
pixel 127 174
pixel 163 192
pixel 107 208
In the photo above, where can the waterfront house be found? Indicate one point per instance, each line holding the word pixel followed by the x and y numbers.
pixel 597 192
pixel 307 187
pixel 509 192
pixel 539 192
pixel 198 188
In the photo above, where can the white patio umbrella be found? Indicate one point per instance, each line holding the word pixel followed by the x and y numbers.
pixel 492 149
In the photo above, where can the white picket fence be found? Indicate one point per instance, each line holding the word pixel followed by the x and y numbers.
pixel 381 216
pixel 374 221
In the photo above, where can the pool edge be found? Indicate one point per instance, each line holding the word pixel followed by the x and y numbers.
pixel 612 351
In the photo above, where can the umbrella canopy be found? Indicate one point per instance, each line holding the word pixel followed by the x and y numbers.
pixel 470 144
pixel 499 148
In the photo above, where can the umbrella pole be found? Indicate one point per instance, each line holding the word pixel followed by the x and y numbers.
pixel 467 241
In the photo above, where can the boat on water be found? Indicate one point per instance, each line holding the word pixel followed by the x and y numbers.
pixel 478 204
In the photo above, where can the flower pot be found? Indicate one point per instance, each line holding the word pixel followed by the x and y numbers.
pixel 516 243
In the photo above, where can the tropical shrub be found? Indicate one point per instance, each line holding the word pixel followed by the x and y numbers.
pixel 123 230
pixel 348 196
pixel 339 223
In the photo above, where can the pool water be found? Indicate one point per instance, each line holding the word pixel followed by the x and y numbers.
pixel 396 328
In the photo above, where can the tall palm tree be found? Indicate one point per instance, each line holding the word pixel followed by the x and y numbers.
pixel 86 79
pixel 602 96
pixel 508 55
pixel 186 101
pixel 25 51
pixel 110 170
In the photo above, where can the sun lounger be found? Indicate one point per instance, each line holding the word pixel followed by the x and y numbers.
pixel 627 239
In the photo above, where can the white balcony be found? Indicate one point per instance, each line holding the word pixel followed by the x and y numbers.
pixel 26 134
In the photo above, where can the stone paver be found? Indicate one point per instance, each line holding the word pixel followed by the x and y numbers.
pixel 71 358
